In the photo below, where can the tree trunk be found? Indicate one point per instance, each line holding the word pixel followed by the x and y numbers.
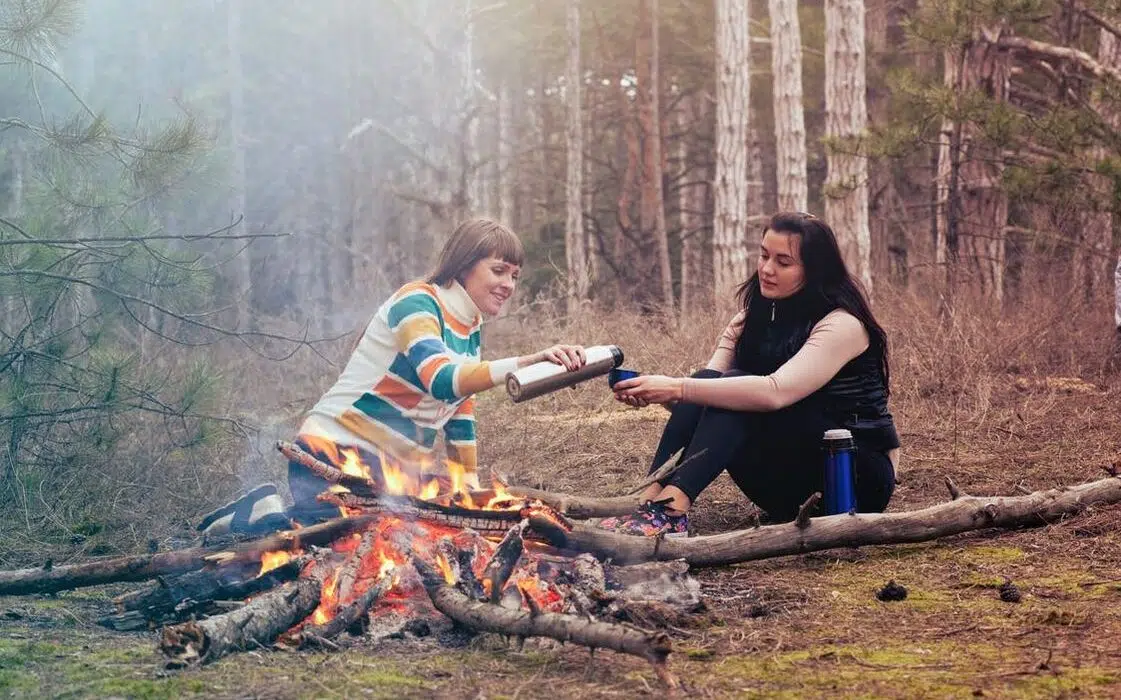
pixel 652 210
pixel 692 200
pixel 886 217
pixel 506 142
pixel 983 202
pixel 242 280
pixel 575 240
pixel 1092 255
pixel 790 125
pixel 733 109
pixel 960 515
pixel 846 118
pixel 946 176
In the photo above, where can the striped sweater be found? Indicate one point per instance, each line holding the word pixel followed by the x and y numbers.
pixel 413 374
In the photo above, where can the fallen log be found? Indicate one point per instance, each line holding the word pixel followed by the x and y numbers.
pixel 149 566
pixel 587 507
pixel 846 530
pixel 655 647
pixel 257 624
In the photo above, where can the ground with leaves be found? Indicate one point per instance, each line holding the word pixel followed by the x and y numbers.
pixel 1000 413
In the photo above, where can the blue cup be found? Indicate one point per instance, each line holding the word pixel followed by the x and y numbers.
pixel 619 374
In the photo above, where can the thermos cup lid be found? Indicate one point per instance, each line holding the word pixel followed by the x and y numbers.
pixel 837 434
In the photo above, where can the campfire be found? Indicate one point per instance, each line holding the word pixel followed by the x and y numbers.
pixel 408 545
pixel 411 550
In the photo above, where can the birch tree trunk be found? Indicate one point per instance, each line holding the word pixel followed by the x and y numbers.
pixel 846 118
pixel 790 124
pixel 236 86
pixel 945 214
pixel 730 181
pixel 652 209
pixel 574 239
pixel 691 205
pixel 505 184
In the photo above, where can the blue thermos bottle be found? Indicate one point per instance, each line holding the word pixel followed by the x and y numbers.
pixel 840 482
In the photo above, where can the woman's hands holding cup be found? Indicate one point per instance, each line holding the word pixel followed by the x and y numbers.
pixel 649 388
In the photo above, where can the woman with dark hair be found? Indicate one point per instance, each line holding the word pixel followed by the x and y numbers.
pixel 805 355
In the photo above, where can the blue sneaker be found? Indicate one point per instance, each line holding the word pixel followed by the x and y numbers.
pixel 650 520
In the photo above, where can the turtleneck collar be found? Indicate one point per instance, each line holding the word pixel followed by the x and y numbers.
pixel 802 305
pixel 459 302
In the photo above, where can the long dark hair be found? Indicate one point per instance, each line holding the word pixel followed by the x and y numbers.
pixel 828 281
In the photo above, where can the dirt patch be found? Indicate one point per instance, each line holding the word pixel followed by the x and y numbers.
pixel 800 626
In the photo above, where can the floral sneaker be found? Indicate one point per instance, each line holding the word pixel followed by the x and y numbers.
pixel 649 520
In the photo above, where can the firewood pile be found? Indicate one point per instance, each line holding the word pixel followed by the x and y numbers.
pixel 510 561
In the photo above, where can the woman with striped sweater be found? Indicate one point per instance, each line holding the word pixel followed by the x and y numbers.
pixel 412 377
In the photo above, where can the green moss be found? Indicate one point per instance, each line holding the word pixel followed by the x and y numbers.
pixel 387 682
pixel 18 683
pixel 982 555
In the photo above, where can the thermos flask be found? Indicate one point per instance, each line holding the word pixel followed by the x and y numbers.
pixel 545 377
pixel 840 482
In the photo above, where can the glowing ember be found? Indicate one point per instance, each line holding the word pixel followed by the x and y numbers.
pixel 446 569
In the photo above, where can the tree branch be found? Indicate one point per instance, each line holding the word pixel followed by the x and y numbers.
pixel 1040 48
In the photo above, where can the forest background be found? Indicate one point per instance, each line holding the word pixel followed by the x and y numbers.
pixel 201 201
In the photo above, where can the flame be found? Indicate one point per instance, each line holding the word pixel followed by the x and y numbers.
pixel 327 449
pixel 328 600
pixel 397 482
pixel 430 491
pixel 273 560
pixel 445 568
pixel 353 465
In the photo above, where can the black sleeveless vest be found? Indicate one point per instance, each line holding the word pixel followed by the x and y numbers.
pixel 855 398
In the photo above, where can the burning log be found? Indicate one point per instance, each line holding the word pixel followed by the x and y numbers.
pixel 327 472
pixel 349 575
pixel 655 647
pixel 489 522
pixel 346 616
pixel 502 564
pixel 847 530
pixel 259 623
pixel 149 566
pixel 196 592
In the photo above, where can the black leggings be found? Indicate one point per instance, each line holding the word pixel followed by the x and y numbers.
pixel 774 457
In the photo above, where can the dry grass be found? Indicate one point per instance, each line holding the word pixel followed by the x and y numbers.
pixel 997 403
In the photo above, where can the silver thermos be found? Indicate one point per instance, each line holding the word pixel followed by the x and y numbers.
pixel 545 377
